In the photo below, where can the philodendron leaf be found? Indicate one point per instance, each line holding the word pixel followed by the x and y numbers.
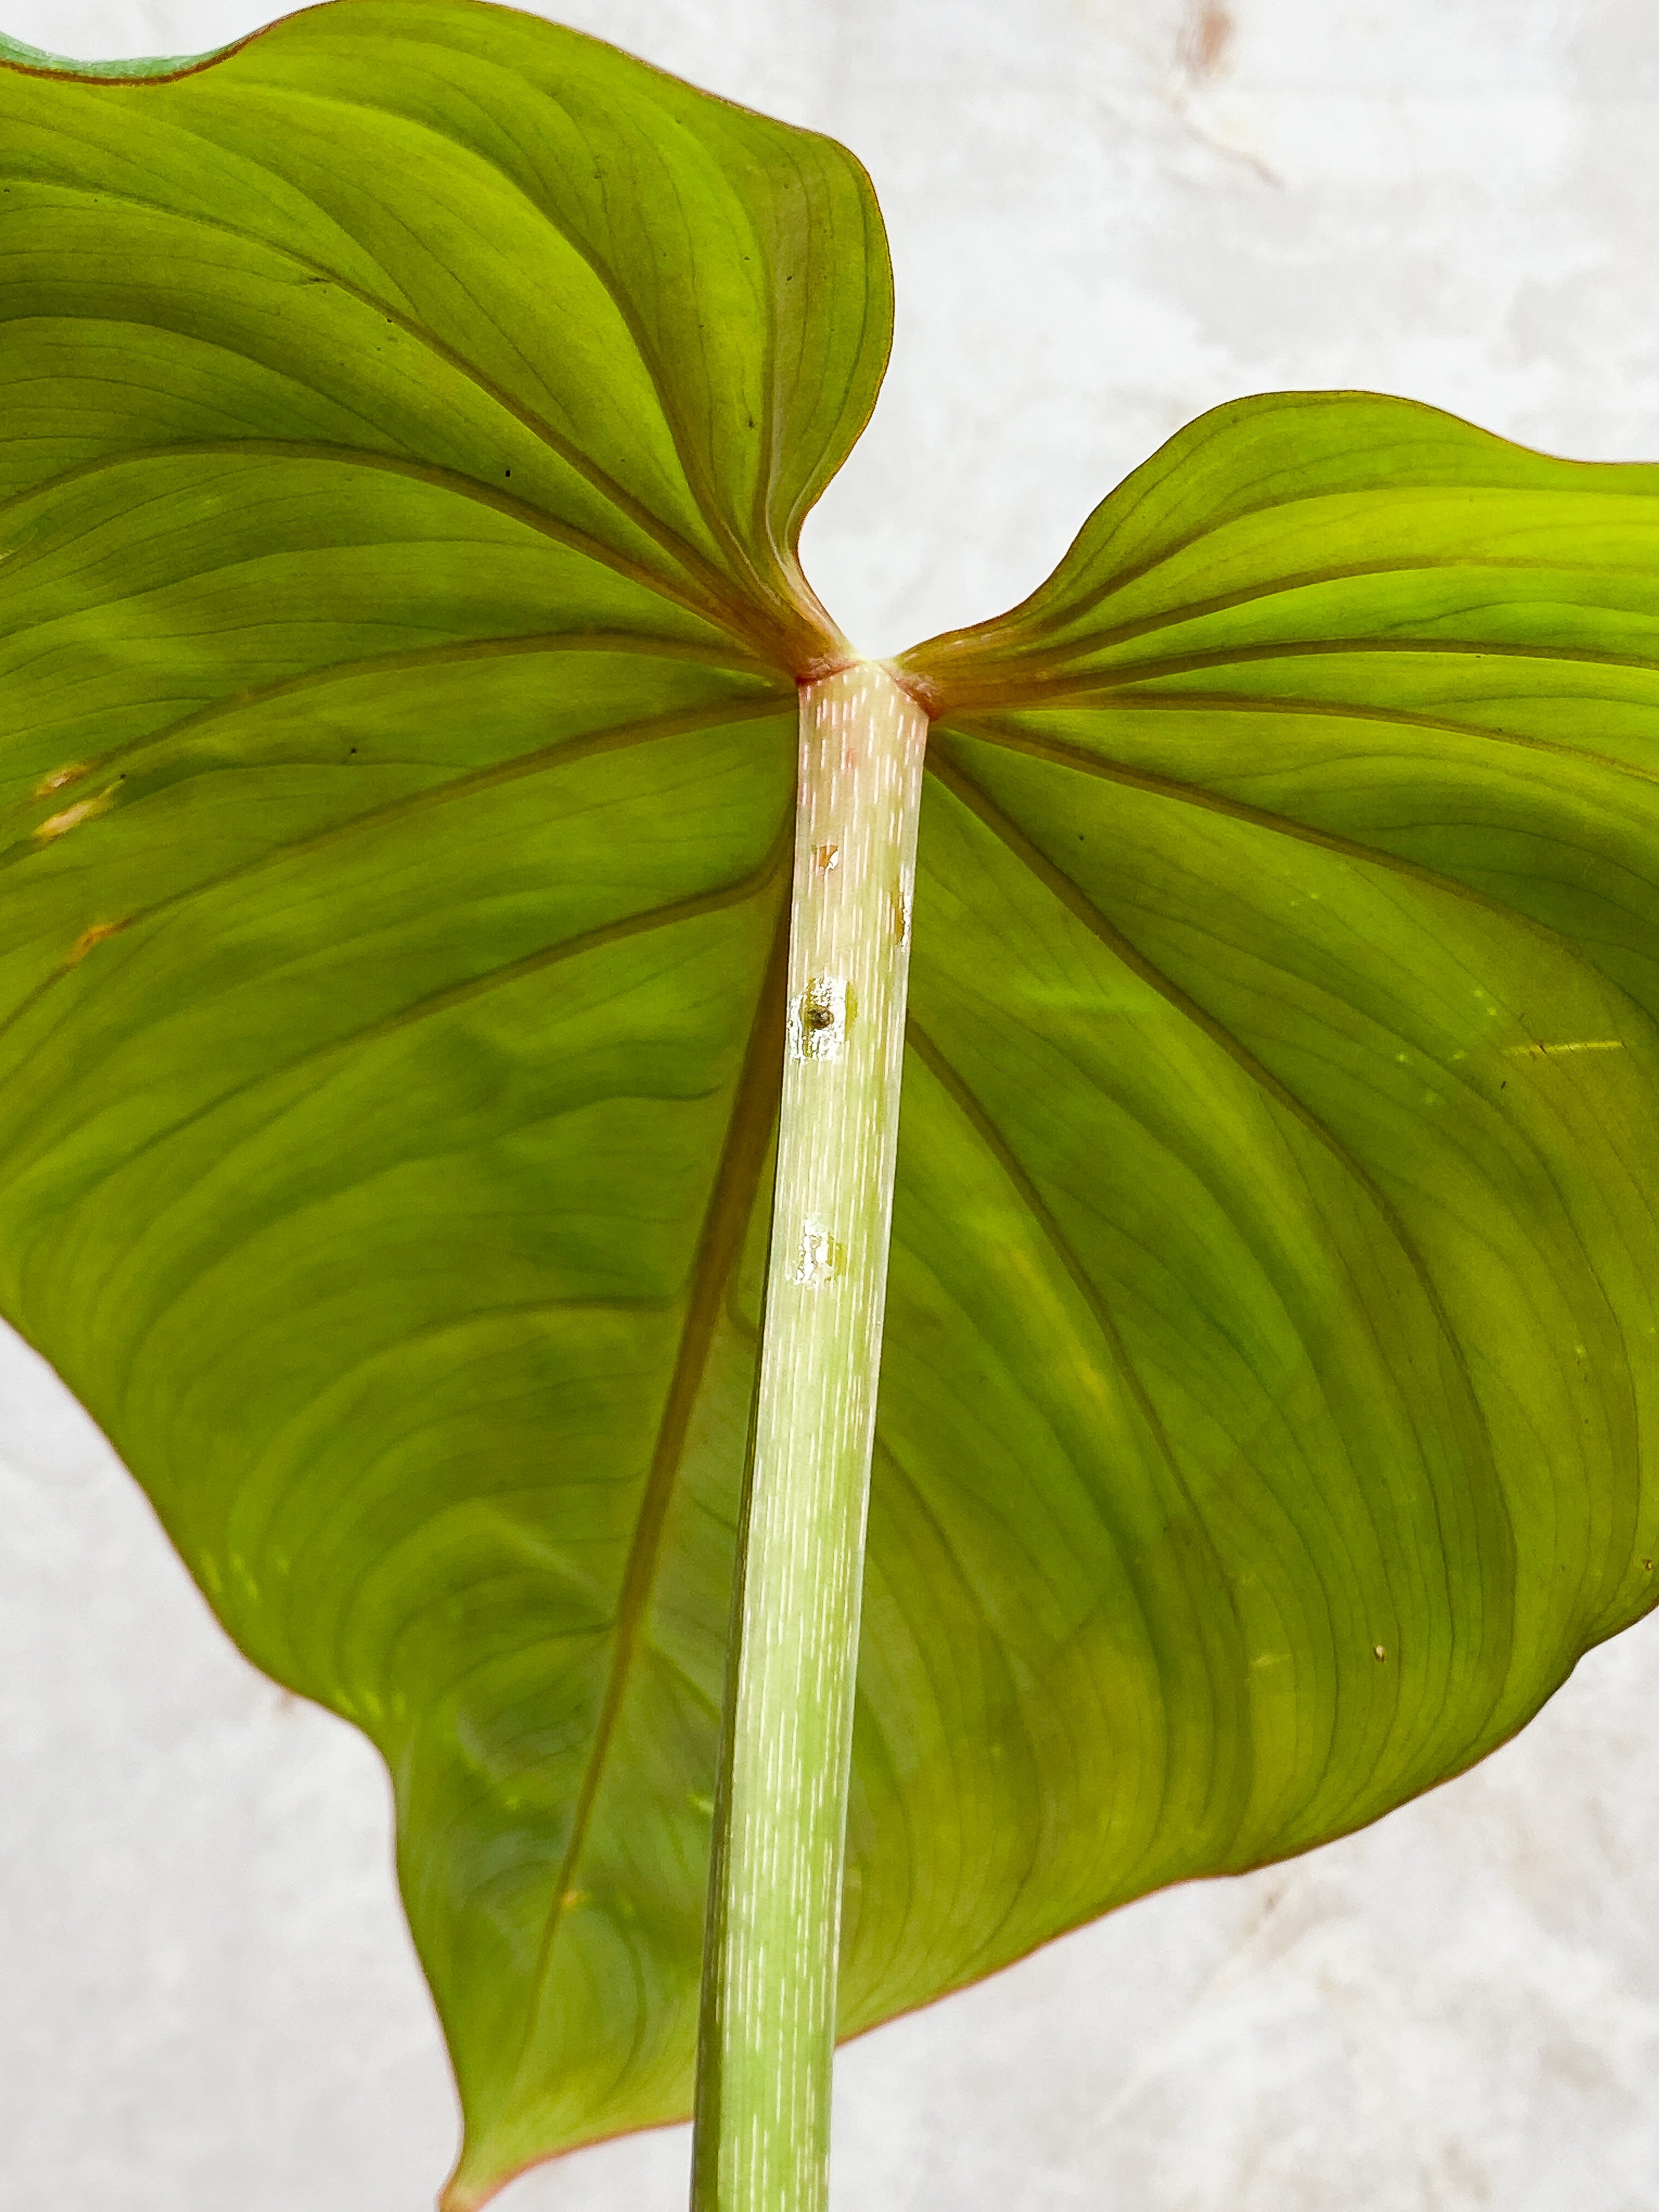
pixel 408 420
pixel 1282 1148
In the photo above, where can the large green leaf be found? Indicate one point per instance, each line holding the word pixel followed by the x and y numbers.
pixel 1284 1130
pixel 408 420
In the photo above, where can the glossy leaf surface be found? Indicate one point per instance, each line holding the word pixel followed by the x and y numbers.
pixel 1285 968
pixel 408 420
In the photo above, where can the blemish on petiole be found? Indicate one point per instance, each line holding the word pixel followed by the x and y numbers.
pixel 826 857
pixel 821 1016
pixel 820 1256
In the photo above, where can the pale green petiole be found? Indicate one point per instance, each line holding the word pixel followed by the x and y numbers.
pixel 768 2001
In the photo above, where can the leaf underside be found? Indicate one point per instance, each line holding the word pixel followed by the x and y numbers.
pixel 407 423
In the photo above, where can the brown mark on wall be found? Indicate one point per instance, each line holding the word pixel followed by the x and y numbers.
pixel 1206 37
pixel 1203 51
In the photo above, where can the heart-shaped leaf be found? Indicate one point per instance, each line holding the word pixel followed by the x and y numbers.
pixel 408 422
pixel 1285 989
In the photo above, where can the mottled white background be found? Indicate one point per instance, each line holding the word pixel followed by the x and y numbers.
pixel 1106 215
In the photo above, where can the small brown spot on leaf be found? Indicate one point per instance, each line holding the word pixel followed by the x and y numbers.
pixel 84 943
pixel 61 778
pixel 1554 1051
pixel 57 825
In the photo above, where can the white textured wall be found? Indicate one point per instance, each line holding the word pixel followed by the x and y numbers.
pixel 1106 215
